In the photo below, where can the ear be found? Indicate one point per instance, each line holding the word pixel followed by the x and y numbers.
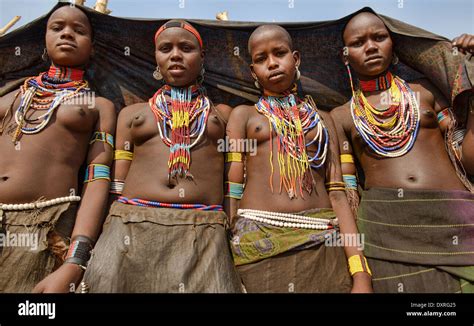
pixel 297 58
pixel 345 55
pixel 254 75
pixel 203 53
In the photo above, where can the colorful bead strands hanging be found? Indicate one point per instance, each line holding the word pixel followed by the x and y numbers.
pixel 389 132
pixel 186 116
pixel 46 92
pixel 292 118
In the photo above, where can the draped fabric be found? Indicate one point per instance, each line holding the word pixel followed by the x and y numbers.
pixel 122 66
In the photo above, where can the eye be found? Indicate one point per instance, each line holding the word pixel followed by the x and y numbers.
pixel 281 53
pixel 259 59
pixel 356 44
pixel 56 28
pixel 380 37
pixel 80 32
pixel 164 48
pixel 186 48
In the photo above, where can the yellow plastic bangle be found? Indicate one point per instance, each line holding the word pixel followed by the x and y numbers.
pixel 347 158
pixel 233 157
pixel 123 155
pixel 358 263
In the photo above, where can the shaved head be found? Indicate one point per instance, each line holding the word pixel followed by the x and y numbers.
pixel 271 29
pixel 360 21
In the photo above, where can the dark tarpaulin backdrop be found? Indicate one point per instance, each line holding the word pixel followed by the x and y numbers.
pixel 124 61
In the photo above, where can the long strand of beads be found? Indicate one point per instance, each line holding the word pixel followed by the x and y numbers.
pixel 40 204
pixel 390 132
pixel 287 219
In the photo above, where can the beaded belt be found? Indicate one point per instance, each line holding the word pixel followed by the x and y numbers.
pixel 288 220
pixel 150 203
pixel 39 204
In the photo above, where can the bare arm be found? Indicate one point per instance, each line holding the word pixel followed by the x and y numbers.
pixel 235 131
pixel 91 211
pixel 347 225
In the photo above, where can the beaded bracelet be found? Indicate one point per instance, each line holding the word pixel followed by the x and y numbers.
pixel 234 190
pixel 446 113
pixel 358 263
pixel 102 136
pixel 350 181
pixel 97 171
pixel 79 251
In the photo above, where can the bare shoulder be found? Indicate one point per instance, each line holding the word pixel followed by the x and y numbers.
pixel 105 106
pixel 428 91
pixel 341 116
pixel 7 99
pixel 224 110
pixel 130 110
pixel 241 113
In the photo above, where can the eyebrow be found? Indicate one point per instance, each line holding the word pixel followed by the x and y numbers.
pixel 61 20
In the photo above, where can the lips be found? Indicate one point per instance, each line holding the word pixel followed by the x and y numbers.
pixel 66 45
pixel 276 76
pixel 176 68
pixel 373 58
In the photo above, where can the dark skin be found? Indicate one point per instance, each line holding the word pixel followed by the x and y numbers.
pixel 465 44
pixel 274 64
pixel 47 164
pixel 426 165
pixel 180 59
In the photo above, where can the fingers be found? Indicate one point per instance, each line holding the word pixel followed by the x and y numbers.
pixel 464 42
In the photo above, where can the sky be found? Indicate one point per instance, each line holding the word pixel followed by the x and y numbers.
pixel 448 18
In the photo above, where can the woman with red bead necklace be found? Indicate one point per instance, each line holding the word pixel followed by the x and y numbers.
pixel 416 213
pixel 167 230
pixel 49 128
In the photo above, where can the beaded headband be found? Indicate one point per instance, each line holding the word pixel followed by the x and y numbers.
pixel 179 24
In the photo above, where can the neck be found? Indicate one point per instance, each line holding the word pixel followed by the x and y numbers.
pixel 58 73
pixel 292 90
pixel 379 83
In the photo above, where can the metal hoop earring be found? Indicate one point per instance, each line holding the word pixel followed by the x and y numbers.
pixel 157 74
pixel 45 56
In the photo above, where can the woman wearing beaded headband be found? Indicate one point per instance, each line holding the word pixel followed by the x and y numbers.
pixel 168 174
pixel 284 229
pixel 414 204
pixel 46 129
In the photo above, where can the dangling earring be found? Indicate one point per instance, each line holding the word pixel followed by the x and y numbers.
pixel 45 56
pixel 157 74
pixel 298 74
pixel 200 78
pixel 394 59
pixel 350 76
pixel 256 83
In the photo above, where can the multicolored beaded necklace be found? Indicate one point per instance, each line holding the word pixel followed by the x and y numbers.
pixel 46 92
pixel 292 118
pixel 186 115
pixel 389 132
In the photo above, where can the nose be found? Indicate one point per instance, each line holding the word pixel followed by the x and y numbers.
pixel 176 54
pixel 67 33
pixel 272 63
pixel 371 46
